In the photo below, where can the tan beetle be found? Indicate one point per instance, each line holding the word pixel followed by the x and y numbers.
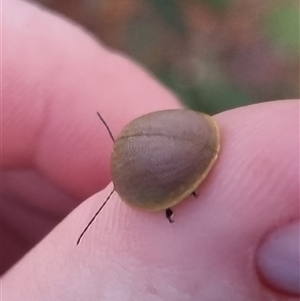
pixel 160 158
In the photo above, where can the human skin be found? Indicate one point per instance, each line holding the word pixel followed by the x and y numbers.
pixel 55 154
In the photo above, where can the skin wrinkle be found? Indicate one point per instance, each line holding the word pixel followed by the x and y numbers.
pixel 32 154
pixel 42 128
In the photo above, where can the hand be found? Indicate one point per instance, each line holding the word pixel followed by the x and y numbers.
pixel 55 153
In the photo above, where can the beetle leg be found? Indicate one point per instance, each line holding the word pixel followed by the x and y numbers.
pixel 169 215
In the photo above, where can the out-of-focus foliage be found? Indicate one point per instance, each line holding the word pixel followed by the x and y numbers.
pixel 283 28
pixel 214 54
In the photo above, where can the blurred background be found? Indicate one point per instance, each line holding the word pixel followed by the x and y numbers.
pixel 214 54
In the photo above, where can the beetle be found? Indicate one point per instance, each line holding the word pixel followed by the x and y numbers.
pixel 160 158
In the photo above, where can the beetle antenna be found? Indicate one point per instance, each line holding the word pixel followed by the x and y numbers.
pixel 93 218
pixel 107 127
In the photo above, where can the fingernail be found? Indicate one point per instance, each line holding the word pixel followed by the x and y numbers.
pixel 278 259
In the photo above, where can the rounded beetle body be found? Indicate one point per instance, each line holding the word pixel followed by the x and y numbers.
pixel 160 158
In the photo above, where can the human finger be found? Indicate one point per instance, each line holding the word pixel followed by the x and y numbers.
pixel 207 254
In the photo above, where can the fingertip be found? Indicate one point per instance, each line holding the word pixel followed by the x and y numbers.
pixel 278 259
pixel 56 77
